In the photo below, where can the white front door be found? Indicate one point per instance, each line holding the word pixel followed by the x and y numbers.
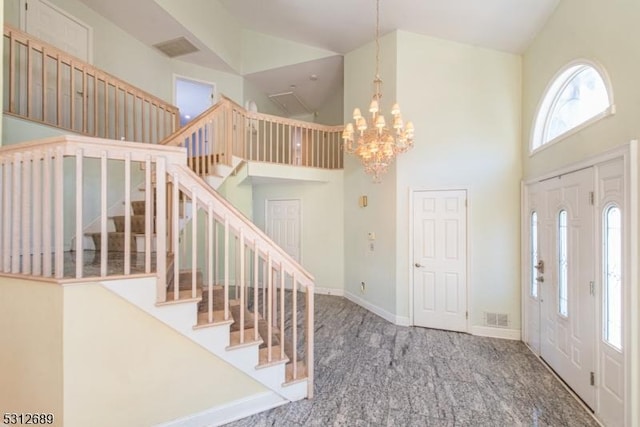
pixel 283 225
pixel 440 259
pixel 566 285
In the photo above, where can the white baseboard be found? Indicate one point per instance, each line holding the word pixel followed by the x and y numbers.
pixel 403 321
pixel 507 334
pixel 229 412
pixel 390 317
pixel 328 291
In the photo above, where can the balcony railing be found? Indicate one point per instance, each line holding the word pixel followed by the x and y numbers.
pixel 227 130
pixel 49 86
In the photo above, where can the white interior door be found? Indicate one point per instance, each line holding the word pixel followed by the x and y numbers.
pixel 440 259
pixel 55 26
pixel 283 221
pixel 567 293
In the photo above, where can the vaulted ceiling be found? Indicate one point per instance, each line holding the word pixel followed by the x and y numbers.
pixel 338 26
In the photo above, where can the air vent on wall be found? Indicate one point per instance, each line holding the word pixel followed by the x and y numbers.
pixel 176 47
pixel 289 103
pixel 496 320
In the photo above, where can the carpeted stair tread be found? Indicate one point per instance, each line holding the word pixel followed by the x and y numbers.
pixel 138 207
pixel 137 223
pixel 183 295
pixel 185 279
pixel 218 299
pixel 218 319
pixel 234 340
pixel 115 241
pixel 301 373
pixel 276 356
pixel 263 331
pixel 248 318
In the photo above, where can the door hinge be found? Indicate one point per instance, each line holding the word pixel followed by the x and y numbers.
pixel 592 288
pixel 26 6
pixel 465 203
pixel 591 198
pixel 592 379
pixel 466 314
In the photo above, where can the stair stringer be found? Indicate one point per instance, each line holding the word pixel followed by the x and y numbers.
pixel 141 292
pixel 222 171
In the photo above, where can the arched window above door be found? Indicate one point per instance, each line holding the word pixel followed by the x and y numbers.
pixel 579 95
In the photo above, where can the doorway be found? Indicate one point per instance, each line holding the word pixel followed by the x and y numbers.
pixel 440 259
pixel 283 225
pixel 192 97
pixel 575 280
pixel 565 277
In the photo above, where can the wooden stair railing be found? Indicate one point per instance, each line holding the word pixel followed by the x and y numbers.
pixel 226 130
pixel 224 262
pixel 49 86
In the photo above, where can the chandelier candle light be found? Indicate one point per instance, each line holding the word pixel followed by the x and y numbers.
pixel 376 144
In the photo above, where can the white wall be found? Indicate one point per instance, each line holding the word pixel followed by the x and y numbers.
pixel 465 103
pixel 600 31
pixel 31 353
pixel 122 367
pixel 605 32
pixel 322 225
pixel 376 268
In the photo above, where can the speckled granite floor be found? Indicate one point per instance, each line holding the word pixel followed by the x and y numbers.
pixel 372 373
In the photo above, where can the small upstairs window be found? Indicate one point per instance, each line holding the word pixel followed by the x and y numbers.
pixel 578 96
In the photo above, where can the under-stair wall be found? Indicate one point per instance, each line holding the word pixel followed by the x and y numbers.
pixel 221 282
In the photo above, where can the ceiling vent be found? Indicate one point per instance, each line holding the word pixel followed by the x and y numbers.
pixel 176 47
pixel 290 103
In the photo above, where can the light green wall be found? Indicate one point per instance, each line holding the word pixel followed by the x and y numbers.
pixel 322 225
pixel 262 52
pixel 212 24
pixel 122 55
pixel 264 104
pixel 604 32
pixel 238 191
pixel 465 104
pixel 332 111
pixel 31 319
pixel 376 268
pixel 607 33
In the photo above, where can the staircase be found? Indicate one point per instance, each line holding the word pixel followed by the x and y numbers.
pixel 211 275
pixel 116 239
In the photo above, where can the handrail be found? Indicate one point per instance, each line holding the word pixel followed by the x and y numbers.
pixel 44 195
pixel 207 195
pixel 52 87
pixel 227 129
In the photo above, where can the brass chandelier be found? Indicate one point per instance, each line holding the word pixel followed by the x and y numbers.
pixel 376 144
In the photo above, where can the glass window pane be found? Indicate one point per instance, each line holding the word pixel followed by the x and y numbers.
pixel 613 277
pixel 534 254
pixel 583 96
pixel 563 297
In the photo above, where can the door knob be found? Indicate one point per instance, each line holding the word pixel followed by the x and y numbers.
pixel 417 264
pixel 540 266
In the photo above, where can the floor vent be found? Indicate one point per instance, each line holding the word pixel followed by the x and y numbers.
pixel 496 320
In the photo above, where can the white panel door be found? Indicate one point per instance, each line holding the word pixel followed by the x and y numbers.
pixel 568 318
pixel 283 225
pixel 440 258
pixel 56 27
